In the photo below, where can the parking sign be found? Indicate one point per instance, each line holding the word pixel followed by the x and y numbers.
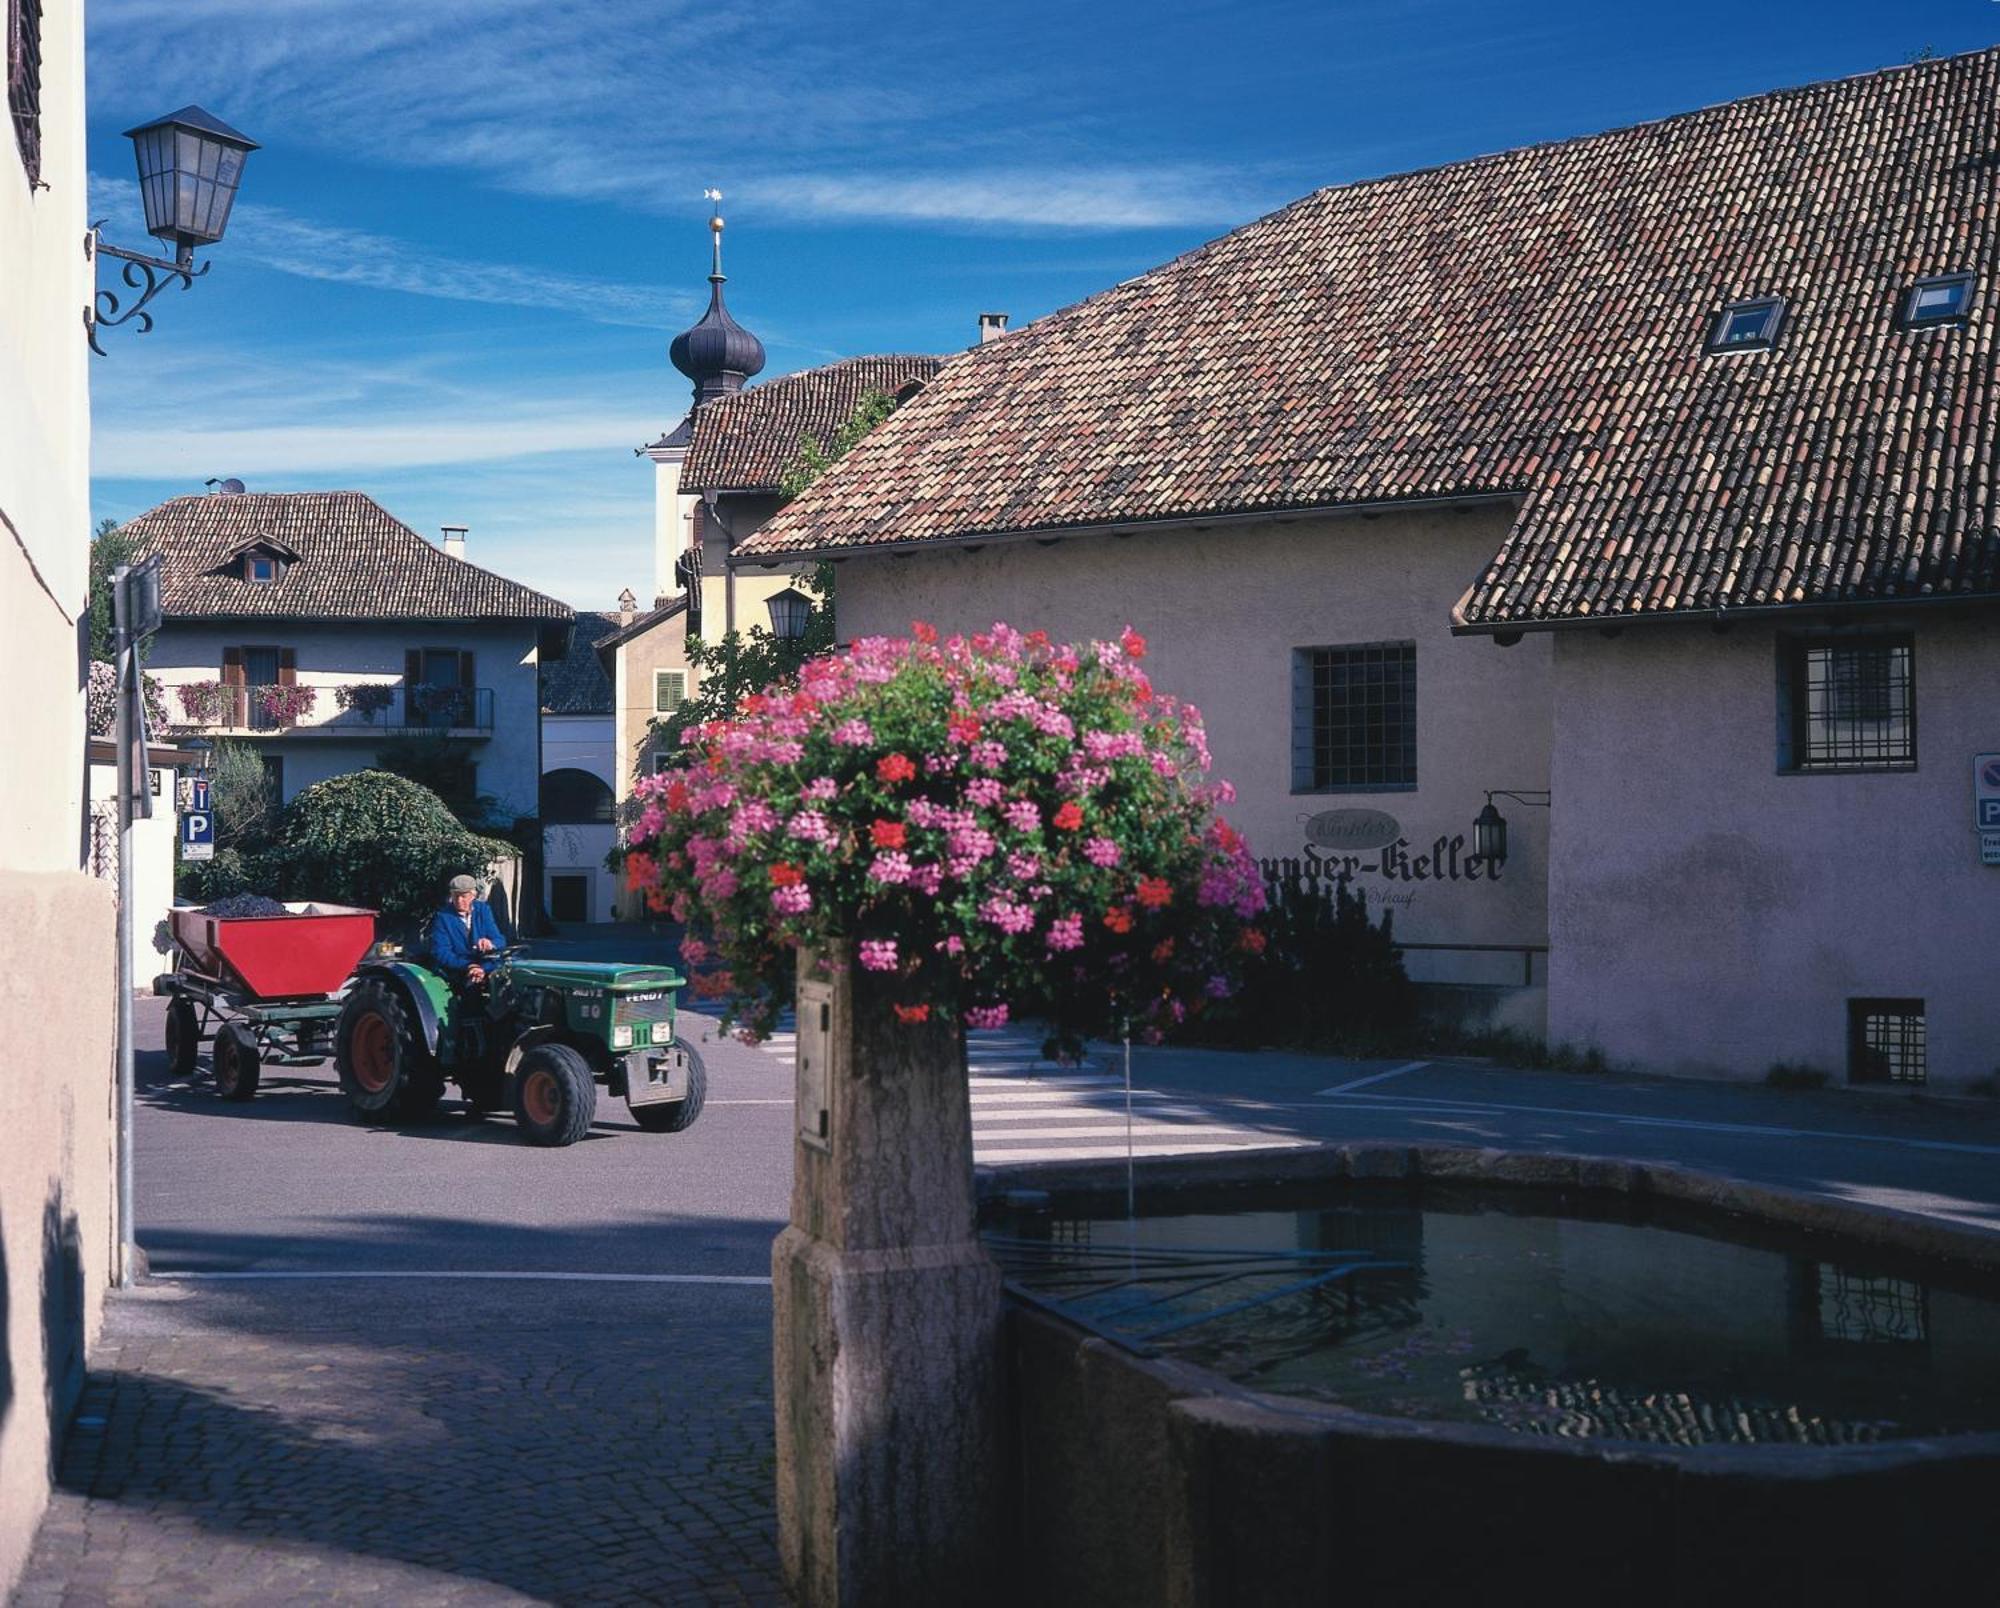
pixel 198 835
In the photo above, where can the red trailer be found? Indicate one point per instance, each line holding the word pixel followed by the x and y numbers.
pixel 268 987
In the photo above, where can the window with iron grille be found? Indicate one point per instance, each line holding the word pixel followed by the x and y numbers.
pixel 1885 1041
pixel 1850 705
pixel 24 82
pixel 1354 718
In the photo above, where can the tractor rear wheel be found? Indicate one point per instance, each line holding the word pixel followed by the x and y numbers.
pixel 674 1116
pixel 183 1037
pixel 385 1070
pixel 238 1065
pixel 554 1097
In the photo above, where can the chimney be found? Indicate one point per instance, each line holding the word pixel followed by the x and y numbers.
pixel 454 540
pixel 991 327
pixel 628 608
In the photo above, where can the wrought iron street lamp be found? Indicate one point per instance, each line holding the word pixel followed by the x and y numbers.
pixel 1489 827
pixel 190 164
pixel 790 610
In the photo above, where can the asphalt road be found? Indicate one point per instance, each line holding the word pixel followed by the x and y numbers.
pixel 292 1182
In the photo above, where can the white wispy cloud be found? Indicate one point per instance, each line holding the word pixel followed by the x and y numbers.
pixel 787 103
pixel 275 238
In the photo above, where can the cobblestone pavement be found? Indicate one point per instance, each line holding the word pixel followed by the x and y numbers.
pixel 415 1442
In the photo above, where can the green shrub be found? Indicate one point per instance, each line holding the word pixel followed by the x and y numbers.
pixel 1328 975
pixel 371 839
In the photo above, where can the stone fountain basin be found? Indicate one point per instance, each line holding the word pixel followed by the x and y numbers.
pixel 1148 1480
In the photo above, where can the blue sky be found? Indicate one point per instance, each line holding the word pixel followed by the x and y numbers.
pixel 475 224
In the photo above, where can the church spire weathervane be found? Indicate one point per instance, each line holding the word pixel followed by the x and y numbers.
pixel 714 199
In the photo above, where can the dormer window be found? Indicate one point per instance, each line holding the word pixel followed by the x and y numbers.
pixel 260 568
pixel 1748 326
pixel 1942 299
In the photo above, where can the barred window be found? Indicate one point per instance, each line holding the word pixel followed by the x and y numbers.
pixel 1885 1041
pixel 24 82
pixel 1354 717
pixel 1851 705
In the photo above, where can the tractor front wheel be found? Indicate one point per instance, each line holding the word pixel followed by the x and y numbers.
pixel 238 1065
pixel 673 1116
pixel 384 1069
pixel 183 1037
pixel 554 1097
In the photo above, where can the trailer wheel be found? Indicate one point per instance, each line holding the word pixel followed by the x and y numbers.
pixel 554 1097
pixel 183 1037
pixel 675 1116
pixel 383 1066
pixel 238 1065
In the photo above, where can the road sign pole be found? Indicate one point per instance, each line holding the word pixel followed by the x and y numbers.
pixel 127 718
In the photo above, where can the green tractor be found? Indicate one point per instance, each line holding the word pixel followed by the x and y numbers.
pixel 538 1037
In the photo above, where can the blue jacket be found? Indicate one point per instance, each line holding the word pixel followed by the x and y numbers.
pixel 451 945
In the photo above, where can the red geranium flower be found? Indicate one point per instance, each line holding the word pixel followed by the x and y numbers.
pixel 1133 644
pixel 1163 951
pixel 784 874
pixel 912 1014
pixel 1069 817
pixel 677 794
pixel 963 728
pixel 1119 918
pixel 1252 941
pixel 888 834
pixel 923 631
pixel 1155 892
pixel 894 768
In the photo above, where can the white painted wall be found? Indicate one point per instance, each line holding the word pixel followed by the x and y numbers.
pixel 673 518
pixel 155 844
pixel 1222 610
pixel 1712 915
pixel 58 950
pixel 332 743
pixel 586 743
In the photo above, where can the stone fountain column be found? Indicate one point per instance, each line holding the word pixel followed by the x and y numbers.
pixel 886 1361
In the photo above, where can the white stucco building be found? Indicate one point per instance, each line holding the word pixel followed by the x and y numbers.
pixel 1582 473
pixel 320 629
pixel 57 923
pixel 579 780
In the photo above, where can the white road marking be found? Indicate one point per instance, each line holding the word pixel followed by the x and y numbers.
pixel 1376 1077
pixel 1142 1133
pixel 466 1274
pixel 1143 1146
pixel 1083 1113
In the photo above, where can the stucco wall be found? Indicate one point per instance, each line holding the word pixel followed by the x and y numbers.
pixel 155 845
pixel 504 659
pixel 1712 915
pixel 56 922
pixel 1223 610
pixel 585 743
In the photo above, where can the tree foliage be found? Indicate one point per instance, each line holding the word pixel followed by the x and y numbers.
pixel 109 548
pixel 372 839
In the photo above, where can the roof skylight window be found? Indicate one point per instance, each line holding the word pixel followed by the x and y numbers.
pixel 261 568
pixel 1748 326
pixel 1942 299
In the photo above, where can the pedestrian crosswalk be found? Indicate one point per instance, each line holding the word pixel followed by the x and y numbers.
pixel 1028 1108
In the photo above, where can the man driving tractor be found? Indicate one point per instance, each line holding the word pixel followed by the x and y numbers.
pixel 464 932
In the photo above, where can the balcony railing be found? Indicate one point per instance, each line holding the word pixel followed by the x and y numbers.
pixel 381 710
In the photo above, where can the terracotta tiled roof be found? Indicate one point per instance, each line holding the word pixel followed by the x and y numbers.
pixel 576 683
pixel 746 442
pixel 356 561
pixel 1532 324
pixel 607 646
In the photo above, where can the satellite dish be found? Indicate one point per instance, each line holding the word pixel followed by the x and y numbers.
pixel 232 487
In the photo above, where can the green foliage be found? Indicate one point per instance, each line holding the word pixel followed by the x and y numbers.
pixel 816 457
pixel 109 548
pixel 244 796
pixel 441 765
pixel 372 839
pixel 1327 974
pixel 205 881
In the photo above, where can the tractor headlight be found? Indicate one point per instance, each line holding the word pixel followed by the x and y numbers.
pixel 621 1036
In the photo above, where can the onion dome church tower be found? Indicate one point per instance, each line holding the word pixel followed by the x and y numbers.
pixel 718 353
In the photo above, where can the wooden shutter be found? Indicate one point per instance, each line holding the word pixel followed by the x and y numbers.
pixel 413 666
pixel 465 667
pixel 288 667
pixel 232 667
pixel 235 697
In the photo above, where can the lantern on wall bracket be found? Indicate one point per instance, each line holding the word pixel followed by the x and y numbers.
pixel 190 164
pixel 1489 827
pixel 790 610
